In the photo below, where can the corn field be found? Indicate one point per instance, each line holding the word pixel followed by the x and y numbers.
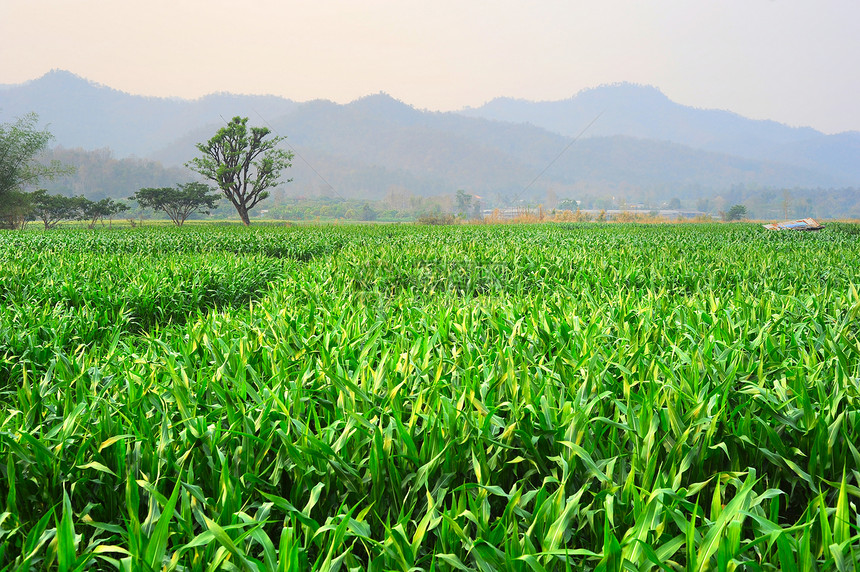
pixel 542 397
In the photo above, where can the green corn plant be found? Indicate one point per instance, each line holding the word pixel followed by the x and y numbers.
pixel 542 397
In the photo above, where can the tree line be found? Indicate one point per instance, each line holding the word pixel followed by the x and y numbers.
pixel 243 163
pixel 19 208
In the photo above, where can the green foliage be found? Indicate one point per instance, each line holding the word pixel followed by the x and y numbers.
pixel 846 228
pixel 463 204
pixel 736 212
pixel 99 210
pixel 52 209
pixel 244 165
pixel 569 396
pixel 20 143
pixel 367 213
pixel 436 219
pixel 16 208
pixel 178 202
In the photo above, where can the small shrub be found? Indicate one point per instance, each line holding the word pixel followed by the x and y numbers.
pixel 436 219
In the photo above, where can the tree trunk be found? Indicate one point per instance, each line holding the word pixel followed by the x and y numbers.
pixel 243 214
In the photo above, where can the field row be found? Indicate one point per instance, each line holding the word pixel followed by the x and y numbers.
pixel 397 397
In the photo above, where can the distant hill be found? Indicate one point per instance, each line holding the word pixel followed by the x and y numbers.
pixel 645 112
pixel 643 148
pixel 379 138
pixel 98 174
pixel 81 113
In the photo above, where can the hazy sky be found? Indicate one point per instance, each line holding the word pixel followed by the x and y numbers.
pixel 795 61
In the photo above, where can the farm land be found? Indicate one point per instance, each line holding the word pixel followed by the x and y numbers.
pixel 513 397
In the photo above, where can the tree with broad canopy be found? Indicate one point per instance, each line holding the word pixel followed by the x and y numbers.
pixel 97 211
pixel 52 209
pixel 244 164
pixel 178 202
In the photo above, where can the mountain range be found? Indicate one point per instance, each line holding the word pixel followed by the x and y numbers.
pixel 645 112
pixel 639 144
